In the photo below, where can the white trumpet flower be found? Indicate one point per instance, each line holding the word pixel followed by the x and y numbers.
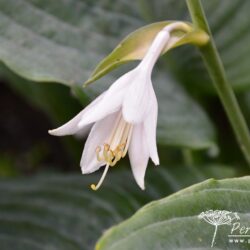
pixel 123 119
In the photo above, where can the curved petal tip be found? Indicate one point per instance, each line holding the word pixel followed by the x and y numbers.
pixel 53 132
pixel 156 161
pixel 140 183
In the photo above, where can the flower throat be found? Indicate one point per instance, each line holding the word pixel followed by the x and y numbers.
pixel 116 148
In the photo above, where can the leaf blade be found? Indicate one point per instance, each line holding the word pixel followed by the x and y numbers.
pixel 160 223
pixel 61 212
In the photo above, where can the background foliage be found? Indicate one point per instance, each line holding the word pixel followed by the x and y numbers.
pixel 47 44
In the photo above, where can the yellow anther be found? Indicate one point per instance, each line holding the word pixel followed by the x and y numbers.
pixel 116 159
pixel 111 157
pixel 122 146
pixel 106 147
pixel 107 153
pixel 98 150
pixel 117 145
pixel 117 155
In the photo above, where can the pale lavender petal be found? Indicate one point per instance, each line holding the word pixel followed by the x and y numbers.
pixel 135 103
pixel 98 136
pixel 160 41
pixel 150 126
pixel 71 127
pixel 82 133
pixel 111 102
pixel 138 154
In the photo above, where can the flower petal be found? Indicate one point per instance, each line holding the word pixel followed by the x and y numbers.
pixel 71 127
pixel 98 136
pixel 160 41
pixel 135 103
pixel 111 101
pixel 150 126
pixel 138 154
pixel 83 132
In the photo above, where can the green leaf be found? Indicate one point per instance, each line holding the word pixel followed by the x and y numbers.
pixel 232 39
pixel 136 44
pixel 61 212
pixel 173 223
pixel 63 41
pixel 43 43
pixel 181 122
pixel 53 99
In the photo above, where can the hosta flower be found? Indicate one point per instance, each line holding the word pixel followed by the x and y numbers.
pixel 123 119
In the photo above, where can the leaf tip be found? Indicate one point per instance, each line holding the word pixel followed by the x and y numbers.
pixel 86 83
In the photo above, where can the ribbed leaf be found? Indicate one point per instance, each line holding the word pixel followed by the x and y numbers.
pixel 173 223
pixel 61 212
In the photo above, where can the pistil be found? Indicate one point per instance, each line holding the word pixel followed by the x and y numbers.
pixel 95 187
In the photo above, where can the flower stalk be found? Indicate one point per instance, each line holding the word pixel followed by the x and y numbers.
pixel 217 73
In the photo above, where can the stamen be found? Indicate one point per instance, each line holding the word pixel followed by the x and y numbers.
pixel 106 153
pixel 116 125
pixel 98 150
pixel 119 134
pixel 127 141
pixel 125 134
pixel 117 143
pixel 95 187
pixel 118 156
